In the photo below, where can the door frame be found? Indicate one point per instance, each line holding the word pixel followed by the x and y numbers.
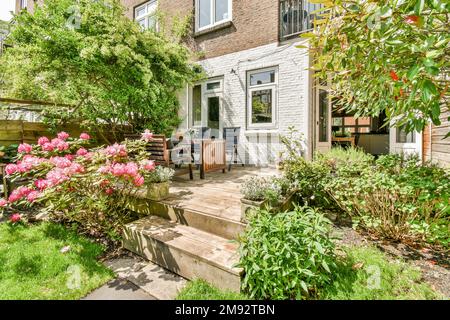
pixel 205 94
pixel 406 147
pixel 321 145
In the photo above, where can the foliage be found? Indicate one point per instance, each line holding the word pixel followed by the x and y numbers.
pixel 8 153
pixel 160 174
pixel 34 267
pixel 399 199
pixel 287 255
pixel 71 183
pixel 350 161
pixel 90 56
pixel 357 278
pixel 387 55
pixel 201 290
pixel 273 189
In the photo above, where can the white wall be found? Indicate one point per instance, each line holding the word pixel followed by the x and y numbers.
pixel 293 93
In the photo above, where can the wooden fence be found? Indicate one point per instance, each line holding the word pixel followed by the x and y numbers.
pixel 18 131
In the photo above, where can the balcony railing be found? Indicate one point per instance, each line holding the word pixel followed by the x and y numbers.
pixel 296 16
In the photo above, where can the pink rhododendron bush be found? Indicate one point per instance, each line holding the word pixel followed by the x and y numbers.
pixel 71 182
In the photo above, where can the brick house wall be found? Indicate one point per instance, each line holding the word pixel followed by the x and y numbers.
pixel 255 23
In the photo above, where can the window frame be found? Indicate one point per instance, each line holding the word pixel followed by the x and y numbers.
pixel 258 87
pixel 204 95
pixel 147 15
pixel 23 4
pixel 212 15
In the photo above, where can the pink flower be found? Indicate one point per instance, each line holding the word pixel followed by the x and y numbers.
pixel 15 196
pixel 104 169
pixel 82 152
pixel 148 165
pixel 15 218
pixel 3 203
pixel 60 144
pixel 56 176
pixel 11 169
pixel 69 157
pixel 138 181
pixel 63 135
pixel 48 147
pixel 32 196
pixel 24 191
pixel 60 162
pixel 84 136
pixel 109 191
pixel 119 169
pixel 43 140
pixel 116 150
pixel 147 135
pixel 74 168
pixel 24 148
pixel 41 184
pixel 131 169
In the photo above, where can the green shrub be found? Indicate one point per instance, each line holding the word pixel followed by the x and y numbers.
pixel 286 256
pixel 350 161
pixel 273 189
pixel 400 199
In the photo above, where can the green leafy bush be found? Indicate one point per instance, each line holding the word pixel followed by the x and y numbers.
pixel 350 161
pixel 273 189
pixel 286 256
pixel 400 199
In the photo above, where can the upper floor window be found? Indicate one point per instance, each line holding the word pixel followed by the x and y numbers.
pixel 23 4
pixel 145 15
pixel 296 16
pixel 211 12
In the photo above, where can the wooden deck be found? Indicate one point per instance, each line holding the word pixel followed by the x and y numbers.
pixel 217 195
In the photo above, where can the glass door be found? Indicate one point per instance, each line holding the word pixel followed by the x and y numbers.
pixel 323 119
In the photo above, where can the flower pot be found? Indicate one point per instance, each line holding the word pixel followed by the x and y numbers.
pixel 158 191
pixel 248 206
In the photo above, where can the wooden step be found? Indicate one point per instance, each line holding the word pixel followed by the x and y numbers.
pixel 196 214
pixel 188 252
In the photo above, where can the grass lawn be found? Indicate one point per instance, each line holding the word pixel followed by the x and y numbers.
pixel 367 274
pixel 32 265
pixel 356 279
pixel 201 290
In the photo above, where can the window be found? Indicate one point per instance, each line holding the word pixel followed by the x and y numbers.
pixel 323 115
pixel 212 12
pixel 262 87
pixel 206 98
pixel 405 137
pixel 197 106
pixel 145 15
pixel 23 4
pixel 296 16
pixel 347 123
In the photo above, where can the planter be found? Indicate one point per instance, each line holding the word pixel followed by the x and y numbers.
pixel 158 191
pixel 247 206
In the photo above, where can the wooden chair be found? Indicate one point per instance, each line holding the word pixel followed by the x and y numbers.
pixel 161 155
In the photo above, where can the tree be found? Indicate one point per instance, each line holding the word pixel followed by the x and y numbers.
pixel 387 55
pixel 88 55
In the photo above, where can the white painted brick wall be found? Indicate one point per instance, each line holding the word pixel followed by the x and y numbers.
pixel 293 91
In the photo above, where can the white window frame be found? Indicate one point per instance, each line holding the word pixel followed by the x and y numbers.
pixel 205 94
pixel 148 13
pixel 23 4
pixel 266 86
pixel 212 15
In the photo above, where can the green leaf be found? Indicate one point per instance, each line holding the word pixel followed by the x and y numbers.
pixel 419 6
pixel 412 72
pixel 428 90
pixel 325 266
